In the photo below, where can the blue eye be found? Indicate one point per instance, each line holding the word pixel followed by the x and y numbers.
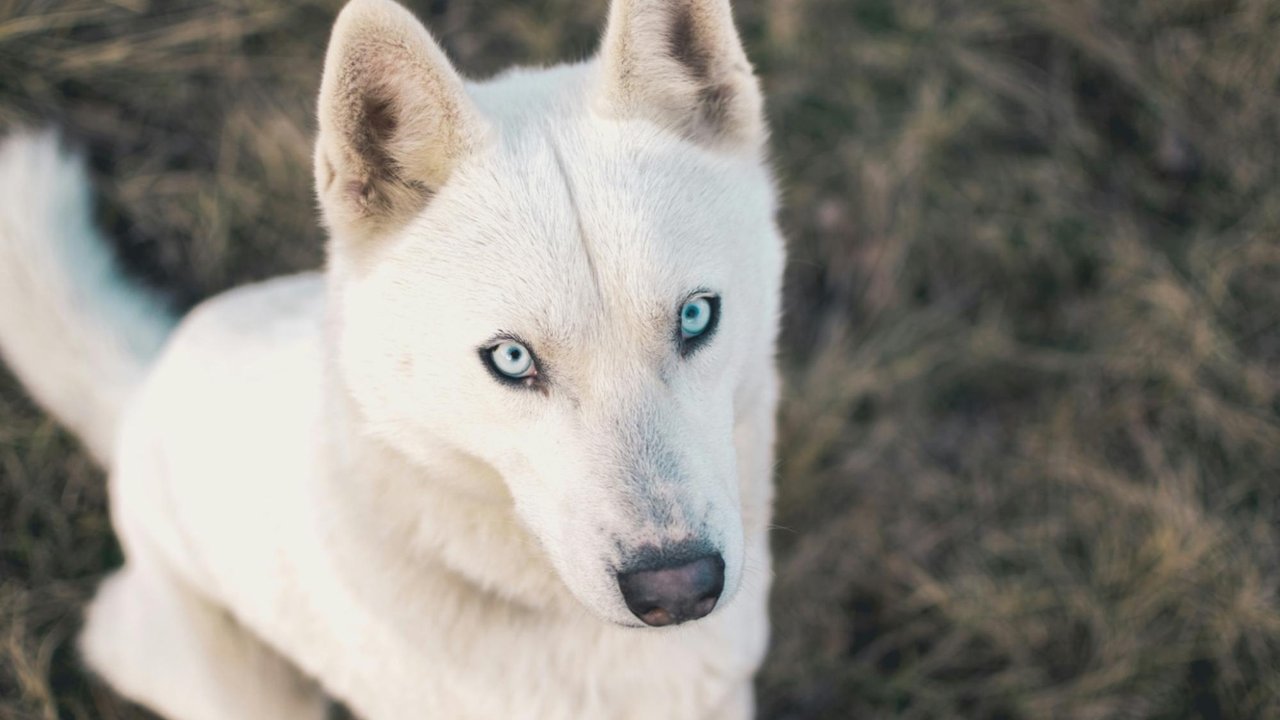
pixel 695 317
pixel 698 319
pixel 512 359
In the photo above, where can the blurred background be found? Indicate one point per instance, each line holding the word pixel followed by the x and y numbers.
pixel 1029 461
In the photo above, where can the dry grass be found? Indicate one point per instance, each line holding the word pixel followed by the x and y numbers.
pixel 1031 443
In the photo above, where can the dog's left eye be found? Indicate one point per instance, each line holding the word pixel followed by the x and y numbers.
pixel 698 318
pixel 511 361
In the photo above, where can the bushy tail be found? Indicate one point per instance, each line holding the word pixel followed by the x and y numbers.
pixel 77 332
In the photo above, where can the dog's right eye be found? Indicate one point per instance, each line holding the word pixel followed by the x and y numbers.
pixel 510 361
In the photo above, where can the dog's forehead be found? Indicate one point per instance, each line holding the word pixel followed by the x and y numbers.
pixel 629 190
pixel 565 232
pixel 573 230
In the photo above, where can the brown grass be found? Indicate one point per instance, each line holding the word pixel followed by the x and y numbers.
pixel 1030 452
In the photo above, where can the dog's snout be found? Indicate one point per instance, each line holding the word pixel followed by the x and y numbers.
pixel 675 593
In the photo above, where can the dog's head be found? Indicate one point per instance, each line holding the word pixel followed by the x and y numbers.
pixel 570 276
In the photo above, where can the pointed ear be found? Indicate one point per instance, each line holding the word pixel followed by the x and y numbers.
pixel 394 119
pixel 680 63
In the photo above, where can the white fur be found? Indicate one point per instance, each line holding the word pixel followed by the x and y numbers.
pixel 75 332
pixel 319 478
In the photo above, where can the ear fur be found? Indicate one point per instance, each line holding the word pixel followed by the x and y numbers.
pixel 394 119
pixel 681 64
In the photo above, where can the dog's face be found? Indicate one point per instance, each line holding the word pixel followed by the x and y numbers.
pixel 571 277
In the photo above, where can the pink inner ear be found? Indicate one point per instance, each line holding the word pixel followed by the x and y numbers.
pixel 394 118
pixel 379 114
pixel 688 47
pixel 681 64
pixel 326 173
pixel 375 122
pixel 359 192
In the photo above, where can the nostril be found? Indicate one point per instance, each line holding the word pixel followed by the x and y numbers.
pixel 674 593
pixel 706 605
pixel 656 617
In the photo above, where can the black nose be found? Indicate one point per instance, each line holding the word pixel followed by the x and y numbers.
pixel 673 594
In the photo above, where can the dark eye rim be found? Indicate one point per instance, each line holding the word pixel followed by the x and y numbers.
pixel 689 345
pixel 534 380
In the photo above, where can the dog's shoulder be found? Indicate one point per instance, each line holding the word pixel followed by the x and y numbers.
pixel 258 312
pixel 257 345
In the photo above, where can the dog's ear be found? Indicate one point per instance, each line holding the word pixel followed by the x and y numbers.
pixel 394 119
pixel 680 63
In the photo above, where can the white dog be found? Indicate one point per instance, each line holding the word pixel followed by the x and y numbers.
pixel 525 414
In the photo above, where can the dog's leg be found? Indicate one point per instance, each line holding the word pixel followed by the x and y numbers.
pixel 160 645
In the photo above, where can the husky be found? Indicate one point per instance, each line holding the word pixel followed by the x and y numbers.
pixel 508 455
